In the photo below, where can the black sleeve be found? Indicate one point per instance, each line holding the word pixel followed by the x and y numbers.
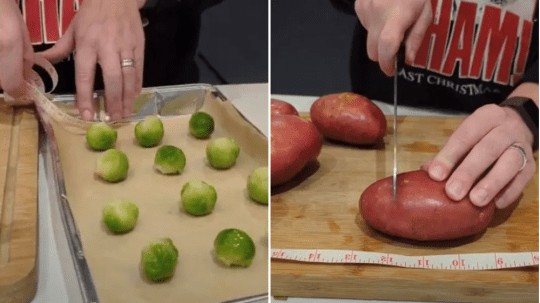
pixel 531 75
pixel 150 3
pixel 531 67
pixel 344 6
pixel 206 4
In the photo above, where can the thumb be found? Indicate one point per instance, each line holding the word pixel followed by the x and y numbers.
pixel 61 49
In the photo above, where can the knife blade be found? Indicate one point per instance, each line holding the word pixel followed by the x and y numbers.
pixel 394 173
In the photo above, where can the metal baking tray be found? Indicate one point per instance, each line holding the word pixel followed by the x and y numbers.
pixel 164 101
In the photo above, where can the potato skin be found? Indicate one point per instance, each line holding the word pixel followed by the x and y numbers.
pixel 348 117
pixel 278 107
pixel 422 211
pixel 294 143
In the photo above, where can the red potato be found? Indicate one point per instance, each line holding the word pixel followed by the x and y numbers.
pixel 294 143
pixel 348 117
pixel 422 211
pixel 279 107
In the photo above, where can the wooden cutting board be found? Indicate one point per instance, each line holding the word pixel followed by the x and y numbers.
pixel 18 203
pixel 319 210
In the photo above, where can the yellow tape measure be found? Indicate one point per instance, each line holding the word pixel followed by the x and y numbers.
pixel 36 94
pixel 480 261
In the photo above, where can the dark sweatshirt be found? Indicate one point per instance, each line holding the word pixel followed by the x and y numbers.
pixel 499 51
pixel 171 39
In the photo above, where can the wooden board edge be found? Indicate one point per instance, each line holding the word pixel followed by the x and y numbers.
pixel 24 288
pixel 370 289
pixel 22 291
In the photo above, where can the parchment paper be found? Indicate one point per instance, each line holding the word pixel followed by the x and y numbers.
pixel 114 260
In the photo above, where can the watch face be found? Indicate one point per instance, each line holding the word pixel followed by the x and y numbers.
pixel 532 110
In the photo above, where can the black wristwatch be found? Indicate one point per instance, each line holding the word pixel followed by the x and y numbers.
pixel 528 110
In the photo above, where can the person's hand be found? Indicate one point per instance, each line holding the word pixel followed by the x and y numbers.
pixel 105 32
pixel 388 23
pixel 16 52
pixel 483 141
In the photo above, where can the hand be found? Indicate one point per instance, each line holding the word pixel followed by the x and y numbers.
pixel 105 32
pixel 16 52
pixel 387 22
pixel 481 141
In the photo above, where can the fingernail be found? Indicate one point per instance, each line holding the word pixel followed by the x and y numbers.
pixel 86 115
pixel 478 197
pixel 436 172
pixel 500 203
pixel 116 116
pixel 455 188
pixel 408 59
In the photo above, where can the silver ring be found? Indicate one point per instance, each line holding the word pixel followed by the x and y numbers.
pixel 522 152
pixel 127 63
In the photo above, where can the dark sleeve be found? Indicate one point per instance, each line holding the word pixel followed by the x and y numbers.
pixel 531 75
pixel 206 4
pixel 150 3
pixel 344 6
pixel 531 67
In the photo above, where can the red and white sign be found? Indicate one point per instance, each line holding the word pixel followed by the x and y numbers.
pixel 489 38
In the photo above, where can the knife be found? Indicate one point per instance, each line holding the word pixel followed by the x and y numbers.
pixel 397 58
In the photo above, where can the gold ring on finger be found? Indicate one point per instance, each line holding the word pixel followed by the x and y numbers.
pixel 127 63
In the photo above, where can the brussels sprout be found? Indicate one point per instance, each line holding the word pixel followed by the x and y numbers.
pixel 159 260
pixel 149 131
pixel 222 153
pixel 120 216
pixel 258 185
pixel 234 248
pixel 201 125
pixel 170 160
pixel 101 136
pixel 198 198
pixel 112 166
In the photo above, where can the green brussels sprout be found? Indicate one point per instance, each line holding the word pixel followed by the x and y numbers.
pixel 198 198
pixel 101 136
pixel 234 247
pixel 112 166
pixel 258 185
pixel 159 260
pixel 170 160
pixel 222 153
pixel 201 125
pixel 120 216
pixel 149 131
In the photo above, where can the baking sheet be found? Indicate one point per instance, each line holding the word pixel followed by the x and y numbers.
pixel 114 259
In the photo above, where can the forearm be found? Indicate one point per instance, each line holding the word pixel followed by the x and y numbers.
pixel 519 101
pixel 526 89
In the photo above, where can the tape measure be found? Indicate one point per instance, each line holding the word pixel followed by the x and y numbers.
pixel 36 94
pixel 480 261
